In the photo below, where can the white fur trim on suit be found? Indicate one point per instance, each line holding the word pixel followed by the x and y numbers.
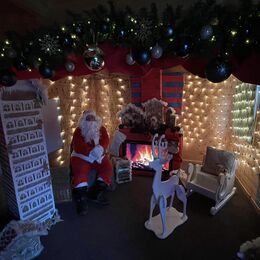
pixel 90 130
pixel 82 184
pixel 89 158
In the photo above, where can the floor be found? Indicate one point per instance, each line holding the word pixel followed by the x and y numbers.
pixel 117 231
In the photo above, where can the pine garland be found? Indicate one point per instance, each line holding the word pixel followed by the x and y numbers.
pixel 235 32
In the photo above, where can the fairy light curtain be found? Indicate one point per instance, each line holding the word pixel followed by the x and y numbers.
pixel 243 111
pixel 104 93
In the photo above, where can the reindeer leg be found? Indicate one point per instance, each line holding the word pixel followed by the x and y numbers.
pixel 152 206
pixel 172 198
pixel 182 197
pixel 162 205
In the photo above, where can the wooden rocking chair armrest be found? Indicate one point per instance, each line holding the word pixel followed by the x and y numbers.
pixel 227 174
pixel 198 167
pixel 193 169
pixel 190 172
pixel 223 186
pixel 190 169
pixel 222 178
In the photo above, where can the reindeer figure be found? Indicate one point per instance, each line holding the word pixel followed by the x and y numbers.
pixel 164 189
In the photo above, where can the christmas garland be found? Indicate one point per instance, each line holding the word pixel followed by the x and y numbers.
pixel 206 29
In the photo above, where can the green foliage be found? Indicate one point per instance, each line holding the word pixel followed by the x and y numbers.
pixel 235 31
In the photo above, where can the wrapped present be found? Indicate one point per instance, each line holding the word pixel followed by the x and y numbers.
pixel 123 170
pixel 21 239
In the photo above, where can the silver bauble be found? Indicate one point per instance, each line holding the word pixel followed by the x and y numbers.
pixel 11 53
pixel 70 66
pixel 130 59
pixel 157 51
pixel 93 58
pixel 206 32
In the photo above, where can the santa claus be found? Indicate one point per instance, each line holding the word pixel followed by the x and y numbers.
pixel 89 144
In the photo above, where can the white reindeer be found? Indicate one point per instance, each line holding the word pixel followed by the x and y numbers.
pixel 164 189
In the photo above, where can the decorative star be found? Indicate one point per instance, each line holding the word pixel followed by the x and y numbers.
pixel 49 44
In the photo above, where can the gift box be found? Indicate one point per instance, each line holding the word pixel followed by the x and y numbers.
pixel 122 170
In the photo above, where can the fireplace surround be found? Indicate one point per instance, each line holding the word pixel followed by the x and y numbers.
pixel 137 148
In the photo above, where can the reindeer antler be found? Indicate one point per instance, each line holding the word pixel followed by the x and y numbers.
pixel 161 147
pixel 154 145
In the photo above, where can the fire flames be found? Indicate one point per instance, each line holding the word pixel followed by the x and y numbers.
pixel 143 154
pixel 140 155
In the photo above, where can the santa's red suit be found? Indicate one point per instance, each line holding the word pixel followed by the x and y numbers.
pixel 80 167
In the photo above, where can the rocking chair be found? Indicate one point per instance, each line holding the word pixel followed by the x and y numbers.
pixel 215 178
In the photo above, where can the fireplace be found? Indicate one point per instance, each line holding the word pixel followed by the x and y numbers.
pixel 140 154
pixel 137 148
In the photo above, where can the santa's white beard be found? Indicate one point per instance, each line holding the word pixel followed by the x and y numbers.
pixel 90 130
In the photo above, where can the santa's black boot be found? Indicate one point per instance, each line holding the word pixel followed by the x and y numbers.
pixel 80 196
pixel 96 193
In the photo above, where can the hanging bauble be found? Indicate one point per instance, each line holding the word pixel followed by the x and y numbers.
pixel 66 40
pixel 78 28
pixel 104 27
pixel 217 70
pixel 169 31
pixel 129 59
pixel 206 32
pixel 70 66
pixel 46 71
pixel 142 56
pixel 157 51
pixel 7 78
pixel 121 33
pixel 183 46
pixel 20 64
pixel 11 53
pixel 93 58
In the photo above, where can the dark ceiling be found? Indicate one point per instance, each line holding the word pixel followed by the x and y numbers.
pixel 25 15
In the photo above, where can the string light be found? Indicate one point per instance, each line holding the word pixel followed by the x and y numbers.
pixel 198 118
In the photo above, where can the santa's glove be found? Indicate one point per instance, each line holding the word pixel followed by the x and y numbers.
pixel 97 151
pixel 99 160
